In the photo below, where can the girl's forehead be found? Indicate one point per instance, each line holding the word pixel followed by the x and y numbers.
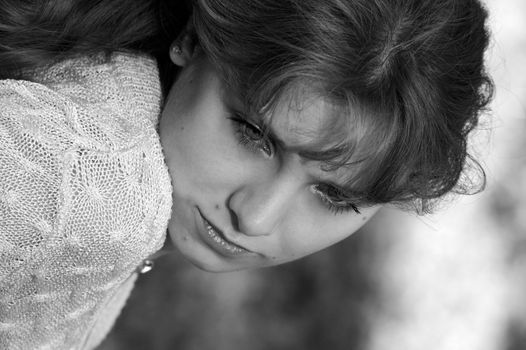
pixel 304 119
pixel 331 136
pixel 306 128
pixel 297 122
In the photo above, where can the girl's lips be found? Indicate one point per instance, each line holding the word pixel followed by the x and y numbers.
pixel 217 241
pixel 220 239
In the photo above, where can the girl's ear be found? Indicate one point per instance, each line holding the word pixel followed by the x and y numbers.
pixel 181 49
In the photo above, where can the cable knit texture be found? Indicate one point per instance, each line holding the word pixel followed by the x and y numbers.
pixel 85 196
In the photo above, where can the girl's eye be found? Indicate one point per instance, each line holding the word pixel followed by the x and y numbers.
pixel 251 136
pixel 334 199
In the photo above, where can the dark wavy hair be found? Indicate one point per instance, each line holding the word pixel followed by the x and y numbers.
pixel 38 33
pixel 407 76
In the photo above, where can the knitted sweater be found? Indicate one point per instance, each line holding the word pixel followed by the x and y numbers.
pixel 85 196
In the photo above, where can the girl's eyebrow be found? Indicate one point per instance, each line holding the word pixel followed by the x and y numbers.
pixel 307 152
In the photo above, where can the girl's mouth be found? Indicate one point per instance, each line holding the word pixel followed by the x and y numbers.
pixel 217 241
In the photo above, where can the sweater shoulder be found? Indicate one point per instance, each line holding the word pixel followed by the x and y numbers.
pixel 100 102
pixel 126 80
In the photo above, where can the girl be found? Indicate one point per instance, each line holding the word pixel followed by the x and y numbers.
pixel 289 124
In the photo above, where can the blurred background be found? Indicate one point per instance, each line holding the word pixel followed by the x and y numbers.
pixel 454 280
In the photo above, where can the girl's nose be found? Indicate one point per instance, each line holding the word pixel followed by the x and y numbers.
pixel 258 208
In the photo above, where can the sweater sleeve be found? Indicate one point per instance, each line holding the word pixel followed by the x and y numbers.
pixel 85 196
pixel 33 135
pixel 89 108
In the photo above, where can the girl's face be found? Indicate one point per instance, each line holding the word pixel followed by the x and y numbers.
pixel 243 199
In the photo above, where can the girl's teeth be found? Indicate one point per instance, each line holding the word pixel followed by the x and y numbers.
pixel 215 236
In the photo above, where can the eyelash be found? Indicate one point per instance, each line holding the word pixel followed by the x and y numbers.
pixel 335 206
pixel 262 143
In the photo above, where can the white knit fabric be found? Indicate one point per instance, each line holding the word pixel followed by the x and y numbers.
pixel 85 196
